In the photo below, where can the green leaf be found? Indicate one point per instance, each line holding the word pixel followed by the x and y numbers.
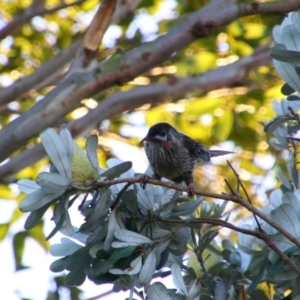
pixel 18 248
pixel 4 227
pixel 223 126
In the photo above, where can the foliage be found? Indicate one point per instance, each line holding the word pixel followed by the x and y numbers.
pixel 214 86
pixel 133 234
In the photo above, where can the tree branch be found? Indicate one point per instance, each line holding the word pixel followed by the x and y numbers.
pixel 121 68
pixel 92 38
pixel 228 197
pixel 32 11
pixel 258 234
pixel 171 90
pixel 51 67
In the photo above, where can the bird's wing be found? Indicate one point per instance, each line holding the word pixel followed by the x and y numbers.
pixel 196 150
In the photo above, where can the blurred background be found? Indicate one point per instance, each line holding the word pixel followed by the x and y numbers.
pixel 228 84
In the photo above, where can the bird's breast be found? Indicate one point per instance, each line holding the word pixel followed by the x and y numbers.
pixel 170 162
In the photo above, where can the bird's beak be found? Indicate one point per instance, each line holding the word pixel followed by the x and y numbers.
pixel 144 140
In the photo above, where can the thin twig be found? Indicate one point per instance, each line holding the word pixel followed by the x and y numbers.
pixel 228 197
pixel 240 183
pixel 229 186
pixel 125 187
pixel 258 234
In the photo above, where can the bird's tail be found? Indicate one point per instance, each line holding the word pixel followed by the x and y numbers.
pixel 213 153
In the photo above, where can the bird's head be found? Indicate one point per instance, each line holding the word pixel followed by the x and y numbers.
pixel 161 134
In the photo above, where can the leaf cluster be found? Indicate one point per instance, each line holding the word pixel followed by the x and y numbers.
pixel 133 234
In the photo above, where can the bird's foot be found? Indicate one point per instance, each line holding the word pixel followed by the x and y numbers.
pixel 143 181
pixel 191 190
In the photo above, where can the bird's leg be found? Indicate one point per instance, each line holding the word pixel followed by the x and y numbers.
pixel 144 179
pixel 191 190
pixel 188 179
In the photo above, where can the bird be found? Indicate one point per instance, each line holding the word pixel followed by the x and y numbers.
pixel 174 155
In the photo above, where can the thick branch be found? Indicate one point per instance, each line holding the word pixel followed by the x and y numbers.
pixel 171 90
pixel 121 68
pixel 281 7
pixel 93 36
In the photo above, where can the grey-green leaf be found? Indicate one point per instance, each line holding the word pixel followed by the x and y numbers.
pixel 286 217
pixel 147 269
pixel 131 237
pixel 35 217
pixel 117 170
pixel 52 182
pixel 67 141
pixel 284 55
pixel 91 151
pixel 271 126
pixel 157 291
pixel 186 208
pixel 178 279
pixel 77 263
pixel 58 265
pixel 288 73
pixel 28 186
pixel 67 247
pixel 37 200
pixel 57 152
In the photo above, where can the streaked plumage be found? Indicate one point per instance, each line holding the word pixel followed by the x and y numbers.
pixel 174 155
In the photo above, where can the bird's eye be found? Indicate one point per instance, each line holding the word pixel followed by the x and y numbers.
pixel 162 133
